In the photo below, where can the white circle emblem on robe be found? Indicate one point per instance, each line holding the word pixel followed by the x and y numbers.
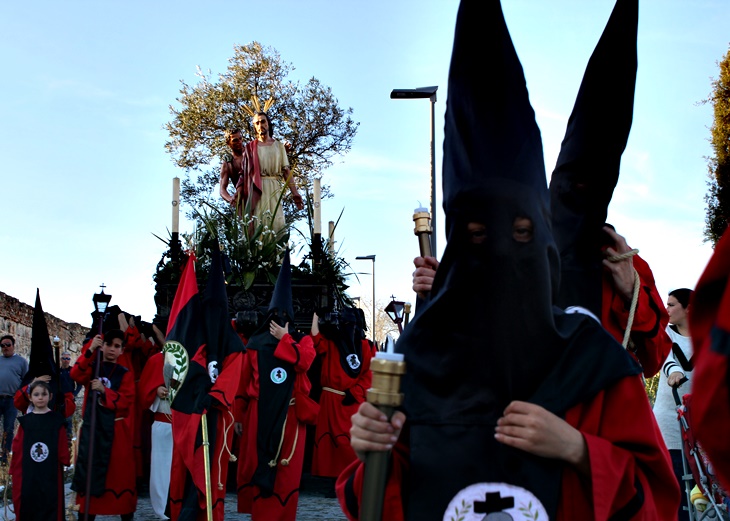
pixel 278 375
pixel 494 502
pixel 39 452
pixel 353 361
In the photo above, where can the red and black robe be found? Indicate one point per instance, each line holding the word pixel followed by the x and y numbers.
pixel 113 480
pixel 40 450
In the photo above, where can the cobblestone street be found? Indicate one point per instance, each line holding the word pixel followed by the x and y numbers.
pixel 314 505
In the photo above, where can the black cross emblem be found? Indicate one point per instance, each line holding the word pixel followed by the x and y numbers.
pixel 38 449
pixel 493 502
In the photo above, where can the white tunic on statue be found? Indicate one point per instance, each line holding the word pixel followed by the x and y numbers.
pixel 272 161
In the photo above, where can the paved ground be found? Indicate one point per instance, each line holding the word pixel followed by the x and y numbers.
pixel 314 505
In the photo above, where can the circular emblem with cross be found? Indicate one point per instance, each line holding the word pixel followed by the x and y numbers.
pixel 278 375
pixel 39 452
pixel 494 502
pixel 353 361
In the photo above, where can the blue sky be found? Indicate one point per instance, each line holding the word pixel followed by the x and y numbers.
pixel 87 85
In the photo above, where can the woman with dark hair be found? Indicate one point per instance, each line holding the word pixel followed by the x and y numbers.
pixel 677 367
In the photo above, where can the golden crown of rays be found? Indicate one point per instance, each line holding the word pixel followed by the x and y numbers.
pixel 257 106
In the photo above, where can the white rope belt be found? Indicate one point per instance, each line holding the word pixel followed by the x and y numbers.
pixel 329 389
pixel 634 298
pixel 285 461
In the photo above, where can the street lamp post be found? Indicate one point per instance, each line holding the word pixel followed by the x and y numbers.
pixel 371 258
pixel 395 311
pixel 101 303
pixel 430 93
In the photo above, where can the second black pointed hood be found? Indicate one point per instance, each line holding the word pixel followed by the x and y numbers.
pixel 587 168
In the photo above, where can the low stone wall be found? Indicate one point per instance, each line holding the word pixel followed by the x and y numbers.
pixel 16 318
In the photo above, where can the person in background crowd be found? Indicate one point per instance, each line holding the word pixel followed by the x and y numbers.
pixel 345 380
pixel 73 385
pixel 154 395
pixel 276 387
pixel 13 368
pixel 676 372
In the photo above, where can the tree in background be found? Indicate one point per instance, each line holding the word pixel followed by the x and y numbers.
pixel 718 198
pixel 651 385
pixel 307 116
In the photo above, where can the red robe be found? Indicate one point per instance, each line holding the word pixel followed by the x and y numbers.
pixel 150 379
pixel 188 459
pixel 282 505
pixel 240 408
pixel 16 471
pixel 625 449
pixel 120 492
pixel 648 331
pixel 710 329
pixel 137 351
pixel 332 451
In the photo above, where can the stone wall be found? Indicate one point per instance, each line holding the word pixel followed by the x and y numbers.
pixel 16 318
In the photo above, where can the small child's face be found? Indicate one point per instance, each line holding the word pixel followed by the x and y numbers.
pixel 112 350
pixel 40 397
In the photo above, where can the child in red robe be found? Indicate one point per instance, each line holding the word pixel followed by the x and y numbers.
pixel 39 452
pixel 113 487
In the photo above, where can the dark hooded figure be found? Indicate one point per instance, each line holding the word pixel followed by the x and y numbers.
pixel 519 408
pixel 621 291
pixel 275 385
pixel 43 366
pixel 345 377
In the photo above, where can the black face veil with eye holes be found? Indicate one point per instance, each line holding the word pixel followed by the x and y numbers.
pixel 489 333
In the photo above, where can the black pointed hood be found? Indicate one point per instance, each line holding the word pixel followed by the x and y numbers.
pixel 493 176
pixel 221 338
pixel 41 361
pixel 587 169
pixel 281 298
pixel 346 330
pixel 491 138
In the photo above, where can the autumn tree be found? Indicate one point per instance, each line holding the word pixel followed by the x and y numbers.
pixel 306 115
pixel 718 197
